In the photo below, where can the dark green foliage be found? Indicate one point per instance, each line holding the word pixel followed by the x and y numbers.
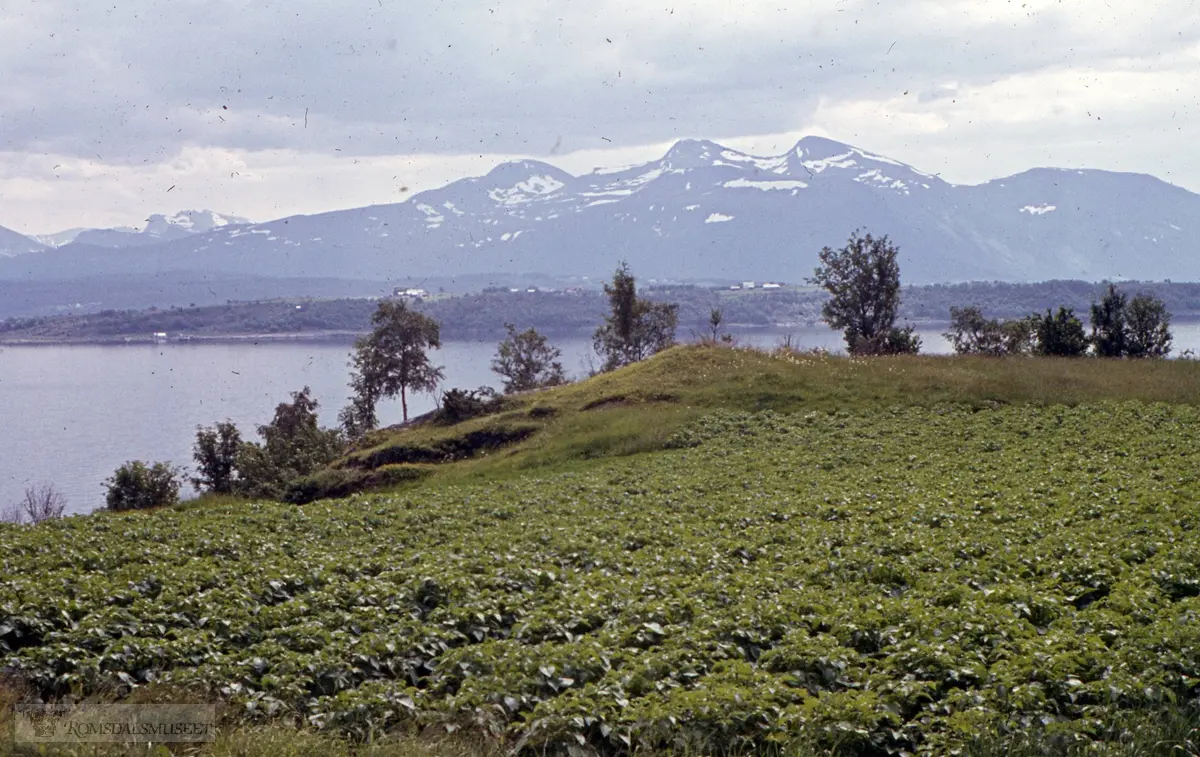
pixel 863 281
pixel 901 341
pixel 1108 324
pixel 526 361
pixel 293 445
pixel 216 452
pixel 635 328
pixel 459 405
pixel 137 486
pixel 335 483
pixel 393 359
pixel 1135 328
pixel 1148 327
pixel 443 450
pixel 1060 334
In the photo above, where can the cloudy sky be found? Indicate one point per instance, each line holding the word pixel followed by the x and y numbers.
pixel 112 111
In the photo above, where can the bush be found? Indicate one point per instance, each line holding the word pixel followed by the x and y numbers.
pixel 137 486
pixel 459 405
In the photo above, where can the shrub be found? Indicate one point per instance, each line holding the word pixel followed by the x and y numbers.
pixel 459 405
pixel 42 502
pixel 137 486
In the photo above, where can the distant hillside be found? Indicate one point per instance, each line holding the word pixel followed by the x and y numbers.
pixel 566 314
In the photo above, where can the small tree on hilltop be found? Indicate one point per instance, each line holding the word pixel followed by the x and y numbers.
pixel 526 361
pixel 636 328
pixel 1060 334
pixel 715 320
pixel 1108 324
pixel 137 486
pixel 293 445
pixel 216 453
pixel 393 359
pixel 1149 327
pixel 863 280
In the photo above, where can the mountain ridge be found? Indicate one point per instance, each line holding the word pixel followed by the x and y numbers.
pixel 703 210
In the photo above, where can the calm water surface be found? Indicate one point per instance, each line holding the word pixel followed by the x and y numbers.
pixel 71 414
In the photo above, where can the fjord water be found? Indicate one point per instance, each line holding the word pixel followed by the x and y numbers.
pixel 71 414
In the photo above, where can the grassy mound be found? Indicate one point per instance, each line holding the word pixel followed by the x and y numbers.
pixel 638 408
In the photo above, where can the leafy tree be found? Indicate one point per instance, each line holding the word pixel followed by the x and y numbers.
pixel 972 334
pixel 137 486
pixel 1019 335
pixel 391 360
pixel 1060 334
pixel 715 320
pixel 636 328
pixel 216 453
pixel 526 361
pixel 863 280
pixel 1148 327
pixel 1108 324
pixel 293 445
pixel 359 416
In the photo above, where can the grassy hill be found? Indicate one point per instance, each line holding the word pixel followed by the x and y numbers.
pixel 714 552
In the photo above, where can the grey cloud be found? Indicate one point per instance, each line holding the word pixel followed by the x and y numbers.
pixel 133 83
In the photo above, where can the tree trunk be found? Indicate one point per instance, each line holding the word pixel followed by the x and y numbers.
pixel 404 403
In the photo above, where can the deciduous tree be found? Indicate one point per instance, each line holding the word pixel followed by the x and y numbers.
pixel 393 359
pixel 863 280
pixel 636 328
pixel 526 361
pixel 1149 327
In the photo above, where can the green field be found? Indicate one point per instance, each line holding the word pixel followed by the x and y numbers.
pixel 853 568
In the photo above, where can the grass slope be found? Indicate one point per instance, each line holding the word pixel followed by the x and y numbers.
pixel 638 408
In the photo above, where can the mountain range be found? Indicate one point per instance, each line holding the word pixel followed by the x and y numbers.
pixel 701 211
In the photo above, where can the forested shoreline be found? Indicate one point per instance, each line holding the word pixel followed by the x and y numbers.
pixel 560 314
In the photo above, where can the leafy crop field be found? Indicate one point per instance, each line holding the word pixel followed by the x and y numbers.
pixel 899 580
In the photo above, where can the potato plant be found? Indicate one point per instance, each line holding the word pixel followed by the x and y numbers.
pixel 897 581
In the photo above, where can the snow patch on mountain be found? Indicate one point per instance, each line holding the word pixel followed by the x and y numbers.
pixel 718 218
pixel 1038 210
pixel 765 186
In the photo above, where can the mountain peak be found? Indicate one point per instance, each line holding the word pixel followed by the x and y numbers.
pixel 515 171
pixel 692 153
pixel 817 148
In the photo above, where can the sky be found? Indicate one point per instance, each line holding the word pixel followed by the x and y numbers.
pixel 112 111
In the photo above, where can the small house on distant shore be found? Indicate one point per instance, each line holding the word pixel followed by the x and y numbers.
pixel 160 337
pixel 409 292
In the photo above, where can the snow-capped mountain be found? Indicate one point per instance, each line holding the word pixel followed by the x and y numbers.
pixel 158 228
pixel 704 211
